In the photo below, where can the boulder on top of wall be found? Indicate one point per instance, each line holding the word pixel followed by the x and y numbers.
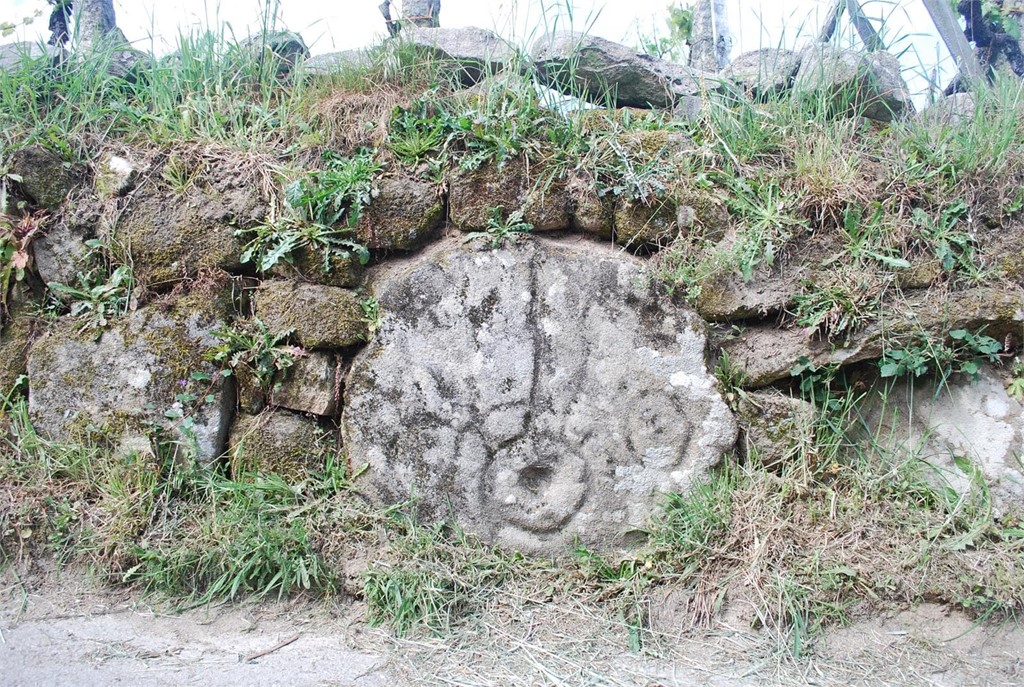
pixel 45 177
pixel 473 53
pixel 600 70
pixel 285 48
pixel 969 431
pixel 318 316
pixel 337 62
pixel 14 55
pixel 512 186
pixel 766 354
pixel 133 376
pixel 405 215
pixel 868 84
pixel 541 393
pixel 310 385
pixel 280 443
pixel 950 111
pixel 764 73
pixel 173 234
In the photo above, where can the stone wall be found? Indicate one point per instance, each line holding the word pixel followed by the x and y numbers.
pixel 542 387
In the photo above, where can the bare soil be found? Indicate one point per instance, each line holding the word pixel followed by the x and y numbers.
pixel 70 630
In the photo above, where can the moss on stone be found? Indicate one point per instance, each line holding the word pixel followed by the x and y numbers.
pixel 322 317
pixel 279 443
pixel 405 216
pixel 544 201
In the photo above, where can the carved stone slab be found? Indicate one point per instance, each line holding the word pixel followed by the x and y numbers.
pixel 539 393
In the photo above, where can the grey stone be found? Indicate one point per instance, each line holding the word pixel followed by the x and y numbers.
pixel 173 235
pixel 474 53
pixel 972 422
pixel 45 177
pixel 543 393
pixel 952 111
pixel 513 186
pixel 280 443
pixel 318 316
pixel 868 84
pixel 596 69
pixel 14 55
pixel 310 385
pixel 62 252
pixel 286 48
pixel 115 175
pixel 336 62
pixel 119 385
pixel 775 428
pixel 764 73
pixel 405 215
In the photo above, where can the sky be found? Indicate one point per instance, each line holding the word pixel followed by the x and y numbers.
pixel 342 24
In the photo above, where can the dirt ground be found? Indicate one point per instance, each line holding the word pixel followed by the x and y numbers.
pixel 69 630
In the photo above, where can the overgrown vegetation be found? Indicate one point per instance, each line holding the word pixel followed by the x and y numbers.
pixel 841 526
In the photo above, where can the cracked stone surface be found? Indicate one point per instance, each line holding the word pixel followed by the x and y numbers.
pixel 541 392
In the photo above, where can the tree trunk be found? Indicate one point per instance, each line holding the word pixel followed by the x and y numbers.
pixel 710 42
pixel 96 22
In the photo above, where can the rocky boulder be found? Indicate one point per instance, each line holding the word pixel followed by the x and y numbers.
pixel 15 55
pixel 137 376
pixel 45 177
pixel 279 443
pixel 970 432
pixel 765 353
pixel 543 393
pixel 405 215
pixel 310 385
pixel 597 70
pixel 63 250
pixel 337 62
pixel 764 73
pixel 868 84
pixel 283 48
pixel 318 316
pixel 473 53
pixel 173 234
pixel 476 194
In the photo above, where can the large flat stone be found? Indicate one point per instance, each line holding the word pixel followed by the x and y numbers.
pixel 600 70
pixel 122 385
pixel 968 431
pixel 543 392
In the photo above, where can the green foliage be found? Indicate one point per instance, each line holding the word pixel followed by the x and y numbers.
pixel 98 297
pixel 836 311
pixel 251 345
pixel 418 130
pixel 268 244
pixel 15 240
pixel 926 354
pixel 338 192
pixel 502 230
pixel 679 24
pixel 244 541
pixel 949 242
pixel 441 577
pixel 768 220
pixel 1016 385
pixel 371 315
